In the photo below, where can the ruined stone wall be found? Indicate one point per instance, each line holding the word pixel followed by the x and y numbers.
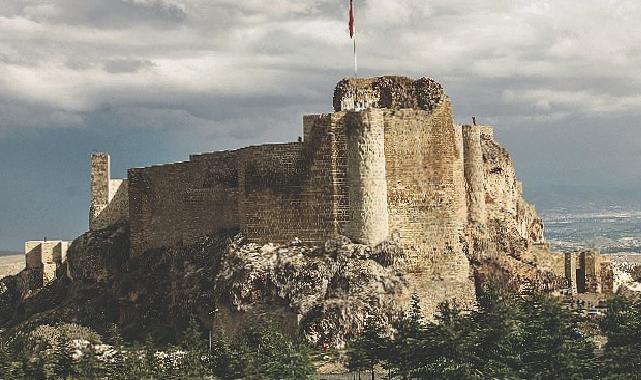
pixel 390 92
pixel 109 198
pixel 591 262
pixel 177 204
pixel 369 217
pixel 571 271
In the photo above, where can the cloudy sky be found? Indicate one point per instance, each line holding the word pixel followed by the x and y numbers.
pixel 152 80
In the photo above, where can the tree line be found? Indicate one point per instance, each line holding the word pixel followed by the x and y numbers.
pixel 261 353
pixel 507 337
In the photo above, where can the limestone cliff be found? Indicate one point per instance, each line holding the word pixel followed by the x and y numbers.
pixel 323 294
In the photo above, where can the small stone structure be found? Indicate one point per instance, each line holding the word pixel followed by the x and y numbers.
pixel 44 258
pixel 588 272
pixel 389 163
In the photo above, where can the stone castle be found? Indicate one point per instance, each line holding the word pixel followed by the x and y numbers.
pixel 388 164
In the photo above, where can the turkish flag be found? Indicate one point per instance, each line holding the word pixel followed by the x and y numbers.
pixel 351 20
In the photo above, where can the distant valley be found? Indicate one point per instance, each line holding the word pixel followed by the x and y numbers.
pixel 610 229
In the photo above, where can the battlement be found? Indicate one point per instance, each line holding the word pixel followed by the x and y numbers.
pixel 394 92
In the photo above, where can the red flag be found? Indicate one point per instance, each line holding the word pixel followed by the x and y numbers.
pixel 351 20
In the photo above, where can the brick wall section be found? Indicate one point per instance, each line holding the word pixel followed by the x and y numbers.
pixel 302 189
pixel 425 183
pixel 179 203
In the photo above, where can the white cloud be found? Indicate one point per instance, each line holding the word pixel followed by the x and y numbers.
pixel 547 58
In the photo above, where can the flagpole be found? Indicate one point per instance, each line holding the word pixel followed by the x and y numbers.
pixel 352 35
pixel 355 59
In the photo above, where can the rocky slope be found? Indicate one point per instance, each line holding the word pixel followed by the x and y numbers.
pixel 323 293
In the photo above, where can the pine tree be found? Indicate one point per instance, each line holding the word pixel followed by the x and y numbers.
pixel 371 348
pixel 194 345
pixel 405 348
pixel 60 361
pixel 622 327
pixel 114 337
pixel 553 346
pixel 229 361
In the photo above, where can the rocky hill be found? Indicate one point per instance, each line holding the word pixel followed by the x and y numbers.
pixel 323 294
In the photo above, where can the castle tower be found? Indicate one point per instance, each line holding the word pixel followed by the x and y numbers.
pixel 474 175
pixel 369 216
pixel 99 186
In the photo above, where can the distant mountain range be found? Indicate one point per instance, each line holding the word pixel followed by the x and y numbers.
pixel 9 253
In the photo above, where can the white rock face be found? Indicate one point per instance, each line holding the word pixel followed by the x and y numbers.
pixel 324 293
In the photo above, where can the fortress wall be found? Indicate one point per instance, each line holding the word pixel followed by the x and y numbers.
pixel 211 204
pixel 182 202
pixel 272 205
pixel 297 190
pixel 474 175
pixel 426 195
pixel 369 215
pixel 427 205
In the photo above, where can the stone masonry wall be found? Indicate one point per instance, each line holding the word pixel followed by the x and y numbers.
pixel 427 206
pixel 369 217
pixel 109 203
pixel 44 258
pixel 391 92
pixel 178 203
pixel 474 176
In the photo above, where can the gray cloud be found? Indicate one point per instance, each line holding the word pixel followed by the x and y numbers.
pixel 152 80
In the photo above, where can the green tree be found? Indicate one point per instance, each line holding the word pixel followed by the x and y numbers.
pixel 90 366
pixel 228 361
pixel 622 327
pixel 193 366
pixel 370 349
pixel 273 356
pixel 405 347
pixel 553 345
